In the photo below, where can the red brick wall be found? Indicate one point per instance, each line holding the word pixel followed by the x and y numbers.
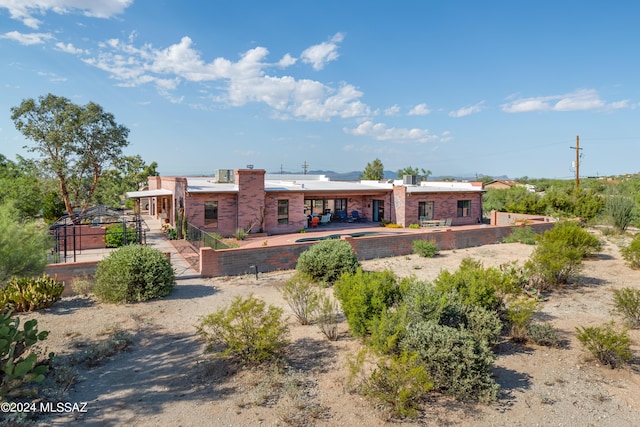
pixel 445 206
pixel 227 213
pixel 234 262
pixel 250 197
pixel 297 218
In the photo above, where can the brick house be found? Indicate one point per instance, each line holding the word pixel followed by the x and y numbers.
pixel 277 204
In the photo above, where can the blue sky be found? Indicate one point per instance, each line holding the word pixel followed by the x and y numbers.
pixel 456 87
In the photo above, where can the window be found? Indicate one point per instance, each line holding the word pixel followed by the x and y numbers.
pixel 464 208
pixel 425 210
pixel 211 214
pixel 283 212
pixel 340 205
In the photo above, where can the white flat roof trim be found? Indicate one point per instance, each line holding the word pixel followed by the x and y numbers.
pixel 148 193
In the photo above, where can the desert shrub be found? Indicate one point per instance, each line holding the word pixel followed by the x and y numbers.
pixel 133 273
pixel 247 329
pixel 414 225
pixel 572 235
pixel 240 234
pixel 627 302
pixel 388 330
pixel 23 245
pixel 302 296
pixel 20 369
pixel 620 209
pixel 457 361
pixel 519 314
pixel 543 334
pixel 425 248
pixel 473 284
pixel 328 317
pixel 327 260
pixel 82 285
pixel 606 344
pixel 393 225
pixel 425 303
pixel 399 383
pixel 31 293
pixel 631 253
pixel 364 296
pixel 114 236
pixel 522 235
pixel 553 264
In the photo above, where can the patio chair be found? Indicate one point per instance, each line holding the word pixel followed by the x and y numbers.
pixel 355 216
pixel 342 215
pixel 448 222
pixel 314 221
pixel 325 219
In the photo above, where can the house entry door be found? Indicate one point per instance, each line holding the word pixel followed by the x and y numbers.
pixel 378 210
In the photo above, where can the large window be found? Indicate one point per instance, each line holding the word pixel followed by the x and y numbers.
pixel 211 214
pixel 283 211
pixel 425 210
pixel 464 208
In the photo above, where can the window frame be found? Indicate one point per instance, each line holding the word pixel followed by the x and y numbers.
pixel 464 208
pixel 283 211
pixel 211 206
pixel 422 210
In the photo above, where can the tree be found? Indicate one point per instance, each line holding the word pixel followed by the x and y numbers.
pixel 22 186
pixel 422 173
pixel 129 173
pixel 374 171
pixel 23 245
pixel 75 143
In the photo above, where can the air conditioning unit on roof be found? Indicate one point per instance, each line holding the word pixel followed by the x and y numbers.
pixel 410 179
pixel 225 176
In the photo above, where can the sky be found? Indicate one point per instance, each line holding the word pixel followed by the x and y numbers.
pixel 457 87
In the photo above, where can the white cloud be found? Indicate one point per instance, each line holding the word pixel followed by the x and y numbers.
pixel 319 55
pixel 27 39
pixel 70 48
pixel 579 100
pixel 244 81
pixel 394 110
pixel 23 10
pixel 420 110
pixel 465 111
pixel 380 132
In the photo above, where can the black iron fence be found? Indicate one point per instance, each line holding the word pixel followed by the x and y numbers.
pixel 200 238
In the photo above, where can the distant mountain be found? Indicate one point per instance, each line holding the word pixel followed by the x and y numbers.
pixel 355 175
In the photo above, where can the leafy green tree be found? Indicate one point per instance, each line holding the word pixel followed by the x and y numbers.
pixel 23 245
pixel 422 173
pixel 129 173
pixel 373 171
pixel 22 184
pixel 75 143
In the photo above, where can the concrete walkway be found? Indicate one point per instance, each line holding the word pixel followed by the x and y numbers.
pixel 157 239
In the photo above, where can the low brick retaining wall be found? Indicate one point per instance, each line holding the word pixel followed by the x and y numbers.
pixel 235 262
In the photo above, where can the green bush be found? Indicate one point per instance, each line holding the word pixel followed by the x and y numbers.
pixel 399 383
pixel 631 253
pixel 388 330
pixel 425 303
pixel 19 368
pixel 620 209
pixel 247 330
pixel 521 235
pixel 302 296
pixel 473 284
pixel 31 293
pixel 114 236
pixel 572 235
pixel 425 248
pixel 627 302
pixel 328 317
pixel 327 260
pixel 553 264
pixel 609 346
pixel 457 361
pixel 543 334
pixel 133 273
pixel 414 225
pixel 519 314
pixel 364 296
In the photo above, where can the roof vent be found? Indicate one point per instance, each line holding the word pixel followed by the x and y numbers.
pixel 224 176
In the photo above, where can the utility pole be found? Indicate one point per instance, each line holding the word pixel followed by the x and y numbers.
pixel 305 166
pixel 577 148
